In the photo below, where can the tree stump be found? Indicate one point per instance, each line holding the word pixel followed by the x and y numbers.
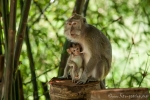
pixel 66 90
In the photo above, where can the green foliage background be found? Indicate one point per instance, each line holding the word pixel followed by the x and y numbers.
pixel 125 22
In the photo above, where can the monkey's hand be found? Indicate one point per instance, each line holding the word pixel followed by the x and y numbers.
pixel 83 78
pixel 64 77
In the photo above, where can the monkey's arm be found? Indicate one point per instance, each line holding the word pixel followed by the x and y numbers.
pixel 66 71
pixel 88 69
pixel 65 75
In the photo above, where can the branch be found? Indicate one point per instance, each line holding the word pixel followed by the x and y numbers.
pixel 41 13
pixel 41 75
pixel 146 14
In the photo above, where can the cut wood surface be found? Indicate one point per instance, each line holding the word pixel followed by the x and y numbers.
pixel 66 90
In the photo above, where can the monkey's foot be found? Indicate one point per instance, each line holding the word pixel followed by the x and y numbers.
pixel 91 79
pixel 81 81
pixel 74 80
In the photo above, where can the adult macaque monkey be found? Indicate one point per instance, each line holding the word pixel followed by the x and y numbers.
pixel 97 51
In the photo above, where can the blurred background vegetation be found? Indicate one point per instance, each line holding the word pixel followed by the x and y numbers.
pixel 125 22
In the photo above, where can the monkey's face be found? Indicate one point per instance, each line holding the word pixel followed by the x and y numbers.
pixel 73 27
pixel 76 50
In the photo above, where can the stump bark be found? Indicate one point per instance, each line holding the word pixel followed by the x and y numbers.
pixel 66 90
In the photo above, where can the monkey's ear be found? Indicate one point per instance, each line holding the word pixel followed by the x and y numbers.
pixel 69 51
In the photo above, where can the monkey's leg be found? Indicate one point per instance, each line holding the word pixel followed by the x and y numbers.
pixel 88 69
pixel 100 72
pixel 74 72
pixel 80 72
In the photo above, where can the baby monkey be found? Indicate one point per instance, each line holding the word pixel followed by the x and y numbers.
pixel 74 63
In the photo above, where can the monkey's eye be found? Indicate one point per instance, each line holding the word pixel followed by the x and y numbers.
pixel 69 23
pixel 74 23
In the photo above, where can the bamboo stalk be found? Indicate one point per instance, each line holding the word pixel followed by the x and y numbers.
pixel 10 53
pixel 21 97
pixel 21 32
pixel 31 61
pixel 32 66
pixel 1 36
pixel 19 88
pixel 4 9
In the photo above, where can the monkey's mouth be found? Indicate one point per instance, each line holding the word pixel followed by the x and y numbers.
pixel 72 34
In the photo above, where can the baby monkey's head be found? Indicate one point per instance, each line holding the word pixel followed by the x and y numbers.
pixel 75 49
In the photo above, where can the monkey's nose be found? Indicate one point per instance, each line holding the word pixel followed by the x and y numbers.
pixel 73 23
